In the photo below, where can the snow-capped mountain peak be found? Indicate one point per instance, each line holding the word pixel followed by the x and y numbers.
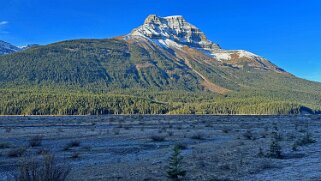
pixel 175 33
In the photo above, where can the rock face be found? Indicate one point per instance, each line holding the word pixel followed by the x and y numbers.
pixel 173 28
pixel 7 48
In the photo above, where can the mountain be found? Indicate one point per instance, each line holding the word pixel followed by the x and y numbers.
pixel 174 32
pixel 7 48
pixel 166 65
pixel 188 44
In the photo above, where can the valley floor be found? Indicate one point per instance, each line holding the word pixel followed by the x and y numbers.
pixel 138 147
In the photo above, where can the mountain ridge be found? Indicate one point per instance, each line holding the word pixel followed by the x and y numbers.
pixel 7 48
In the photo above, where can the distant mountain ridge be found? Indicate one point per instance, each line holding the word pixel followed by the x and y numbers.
pixel 166 65
pixel 7 48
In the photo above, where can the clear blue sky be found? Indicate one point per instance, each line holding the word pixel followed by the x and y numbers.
pixel 287 32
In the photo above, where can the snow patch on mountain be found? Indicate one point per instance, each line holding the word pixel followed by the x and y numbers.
pixel 167 43
pixel 222 56
pixel 243 53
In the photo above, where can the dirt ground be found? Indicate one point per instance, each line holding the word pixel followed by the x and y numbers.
pixel 138 147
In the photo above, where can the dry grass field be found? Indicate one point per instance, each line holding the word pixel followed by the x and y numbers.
pixel 139 147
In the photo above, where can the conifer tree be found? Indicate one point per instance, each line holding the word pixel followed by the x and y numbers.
pixel 275 148
pixel 175 170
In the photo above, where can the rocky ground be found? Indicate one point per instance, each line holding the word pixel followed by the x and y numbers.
pixel 139 147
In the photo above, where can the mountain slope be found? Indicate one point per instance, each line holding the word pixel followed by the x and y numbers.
pixel 166 65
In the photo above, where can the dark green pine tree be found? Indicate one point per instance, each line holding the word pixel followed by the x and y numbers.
pixel 275 148
pixel 175 169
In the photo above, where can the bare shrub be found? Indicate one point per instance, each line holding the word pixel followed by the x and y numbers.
pixel 74 143
pixel 181 146
pixel 141 122
pixel 260 154
pixel 248 135
pixel 225 166
pixel 120 125
pixel 36 141
pixel 42 151
pixel 8 129
pixel 75 155
pixel 158 138
pixel 4 145
pixel 306 140
pixel 86 148
pixel 116 131
pixel 111 119
pixel 127 126
pixel 17 152
pixel 295 147
pixel 208 124
pixel 266 165
pixel 45 169
pixel 170 133
pixel 226 130
pixel 290 137
pixel 198 136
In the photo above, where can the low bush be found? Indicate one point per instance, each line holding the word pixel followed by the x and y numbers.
pixel 306 140
pixel 17 152
pixel 36 141
pixel 248 135
pixel 181 146
pixel 226 130
pixel 8 129
pixel 4 145
pixel 198 136
pixel 75 155
pixel 74 143
pixel 45 169
pixel 260 154
pixel 158 138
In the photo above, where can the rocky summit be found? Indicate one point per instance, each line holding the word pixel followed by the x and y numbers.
pixel 172 29
pixel 174 32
